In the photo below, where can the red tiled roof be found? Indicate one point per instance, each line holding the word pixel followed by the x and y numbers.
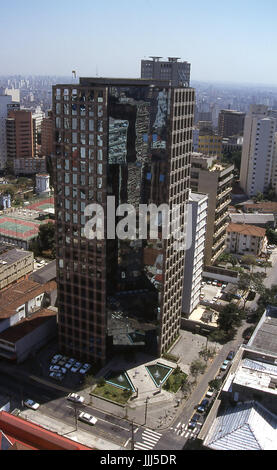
pixel 20 293
pixel 245 229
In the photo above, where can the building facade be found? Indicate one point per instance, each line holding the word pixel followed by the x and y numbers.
pixel 215 180
pixel 20 136
pixel 178 73
pixel 198 204
pixel 129 139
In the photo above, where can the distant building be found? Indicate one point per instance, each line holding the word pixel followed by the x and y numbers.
pixel 47 135
pixel 230 123
pixel 20 135
pixel 197 206
pixel 246 239
pixel 29 166
pixel 4 102
pixel 178 73
pixel 5 201
pixel 257 161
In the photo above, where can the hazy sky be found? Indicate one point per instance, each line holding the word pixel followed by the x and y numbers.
pixel 224 40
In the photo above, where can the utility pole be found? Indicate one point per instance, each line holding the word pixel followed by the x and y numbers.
pixel 146 403
pixel 132 438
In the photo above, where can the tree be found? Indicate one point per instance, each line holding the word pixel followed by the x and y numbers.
pixel 250 260
pixel 197 367
pixel 271 236
pixel 251 281
pixel 230 316
pixel 45 240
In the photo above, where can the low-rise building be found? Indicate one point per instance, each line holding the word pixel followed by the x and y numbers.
pixel 29 166
pixel 244 416
pixel 24 313
pixel 246 239
pixel 15 265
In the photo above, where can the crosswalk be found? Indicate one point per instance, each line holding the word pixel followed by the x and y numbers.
pixel 183 431
pixel 149 439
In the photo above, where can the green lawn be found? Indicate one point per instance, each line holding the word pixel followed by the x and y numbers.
pixel 112 393
pixel 174 381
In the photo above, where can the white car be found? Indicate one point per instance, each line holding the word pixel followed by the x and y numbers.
pixel 75 398
pixel 209 393
pixel 31 404
pixel 70 363
pixel 55 368
pixel 85 368
pixel 87 418
pixel 76 367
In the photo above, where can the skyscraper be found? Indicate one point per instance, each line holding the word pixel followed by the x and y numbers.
pixel 20 135
pixel 178 73
pixel 130 140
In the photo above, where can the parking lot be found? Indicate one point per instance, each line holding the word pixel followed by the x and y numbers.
pixel 212 291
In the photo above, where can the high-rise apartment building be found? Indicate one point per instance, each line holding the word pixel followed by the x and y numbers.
pixel 178 73
pixel 230 123
pixel 196 233
pixel 4 102
pixel 129 139
pixel 20 135
pixel 47 135
pixel 214 179
pixel 258 151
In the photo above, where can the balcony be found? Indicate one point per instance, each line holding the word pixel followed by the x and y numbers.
pixel 224 204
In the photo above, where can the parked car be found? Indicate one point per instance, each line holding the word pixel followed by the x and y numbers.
pixel 87 418
pixel 31 404
pixel 203 405
pixel 209 393
pixel 76 367
pixel 195 418
pixel 209 282
pixel 56 358
pixel 63 361
pixel 56 376
pixel 70 363
pixel 54 368
pixel 214 283
pixel 224 365
pixel 75 398
pixel 85 368
pixel 230 356
pixel 192 425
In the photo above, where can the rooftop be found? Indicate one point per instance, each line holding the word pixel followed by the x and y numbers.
pixel 45 274
pixel 13 255
pixel 264 338
pixel 27 325
pixel 258 218
pixel 247 426
pixel 20 293
pixel 244 229
pixel 257 375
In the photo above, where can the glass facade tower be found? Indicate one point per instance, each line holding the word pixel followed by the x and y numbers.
pixel 129 141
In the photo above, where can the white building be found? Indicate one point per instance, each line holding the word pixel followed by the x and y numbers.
pixel 257 151
pixel 246 239
pixel 197 220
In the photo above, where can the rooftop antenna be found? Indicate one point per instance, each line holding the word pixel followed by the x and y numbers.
pixel 74 74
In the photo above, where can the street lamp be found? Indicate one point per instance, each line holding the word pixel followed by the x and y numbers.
pixel 146 403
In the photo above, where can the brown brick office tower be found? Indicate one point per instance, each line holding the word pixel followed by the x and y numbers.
pixel 131 139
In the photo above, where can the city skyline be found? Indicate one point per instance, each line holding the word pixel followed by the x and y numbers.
pixel 239 36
